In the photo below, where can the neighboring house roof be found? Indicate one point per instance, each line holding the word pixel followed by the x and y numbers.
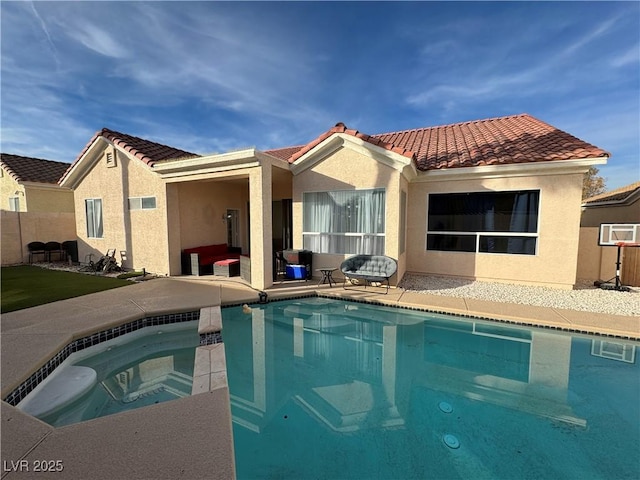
pixel 619 195
pixel 29 169
pixel 496 141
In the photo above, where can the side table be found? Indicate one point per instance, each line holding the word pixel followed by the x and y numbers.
pixel 327 276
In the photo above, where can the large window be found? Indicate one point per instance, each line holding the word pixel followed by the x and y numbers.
pixel 486 222
pixel 93 208
pixel 344 222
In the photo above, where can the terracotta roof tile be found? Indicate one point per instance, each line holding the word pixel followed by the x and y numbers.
pixel 617 195
pixel 341 128
pixel 496 141
pixel 146 150
pixel 29 169
pixel 284 153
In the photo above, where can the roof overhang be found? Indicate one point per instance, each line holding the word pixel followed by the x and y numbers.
pixel 556 167
pixel 82 166
pixel 43 186
pixel 342 140
pixel 210 164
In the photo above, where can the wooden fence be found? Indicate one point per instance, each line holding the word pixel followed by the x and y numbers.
pixel 630 269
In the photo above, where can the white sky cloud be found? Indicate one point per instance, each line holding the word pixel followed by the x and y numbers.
pixel 222 75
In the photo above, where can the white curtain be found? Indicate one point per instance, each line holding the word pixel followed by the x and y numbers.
pixel 93 207
pixel 330 215
pixel 97 209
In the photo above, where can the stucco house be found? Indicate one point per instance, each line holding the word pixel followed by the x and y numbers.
pixel 496 199
pixel 32 204
pixel 595 262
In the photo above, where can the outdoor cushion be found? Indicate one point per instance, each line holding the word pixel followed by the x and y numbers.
pixel 365 266
pixel 228 261
pixel 209 250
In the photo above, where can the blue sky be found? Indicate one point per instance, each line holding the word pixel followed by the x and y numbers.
pixel 210 76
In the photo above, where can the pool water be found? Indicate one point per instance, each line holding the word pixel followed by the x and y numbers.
pixel 152 365
pixel 323 388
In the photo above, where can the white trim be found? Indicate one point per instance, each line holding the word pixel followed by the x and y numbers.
pixel 82 167
pixel 343 140
pixel 93 219
pixel 15 205
pixel 44 186
pixel 235 160
pixel 540 168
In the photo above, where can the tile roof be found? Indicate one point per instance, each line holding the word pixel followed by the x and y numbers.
pixel 496 141
pixel 342 128
pixel 147 151
pixel 29 169
pixel 617 195
pixel 284 153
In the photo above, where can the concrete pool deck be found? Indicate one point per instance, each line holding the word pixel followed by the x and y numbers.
pixel 190 437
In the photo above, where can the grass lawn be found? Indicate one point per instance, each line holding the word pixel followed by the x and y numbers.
pixel 27 286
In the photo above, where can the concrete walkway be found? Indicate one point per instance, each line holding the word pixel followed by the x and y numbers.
pixel 188 438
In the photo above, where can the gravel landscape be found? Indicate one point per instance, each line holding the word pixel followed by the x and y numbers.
pixel 584 297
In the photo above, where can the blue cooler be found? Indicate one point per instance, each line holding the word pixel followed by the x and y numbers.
pixel 297 272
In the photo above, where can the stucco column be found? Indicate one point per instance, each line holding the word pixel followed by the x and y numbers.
pixel 173 230
pixel 261 231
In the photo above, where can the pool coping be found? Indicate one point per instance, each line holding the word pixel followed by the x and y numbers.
pixel 179 433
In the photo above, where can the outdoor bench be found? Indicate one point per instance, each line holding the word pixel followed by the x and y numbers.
pixel 370 268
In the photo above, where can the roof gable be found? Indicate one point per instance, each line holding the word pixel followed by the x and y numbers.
pixel 147 151
pixel 498 141
pixel 342 128
pixel 29 169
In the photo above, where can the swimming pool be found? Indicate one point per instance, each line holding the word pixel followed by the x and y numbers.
pixel 323 388
pixel 151 365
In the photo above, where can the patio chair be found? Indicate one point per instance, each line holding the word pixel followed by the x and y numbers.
pixel 52 248
pixel 36 248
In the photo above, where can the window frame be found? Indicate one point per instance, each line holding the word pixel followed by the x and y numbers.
pixel 366 237
pixel 141 201
pixel 479 235
pixel 14 203
pixel 95 230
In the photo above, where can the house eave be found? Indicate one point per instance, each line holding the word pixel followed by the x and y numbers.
pixel 341 140
pixel 209 164
pixel 78 170
pixel 555 167
pixel 44 186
